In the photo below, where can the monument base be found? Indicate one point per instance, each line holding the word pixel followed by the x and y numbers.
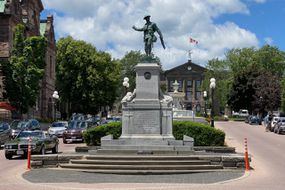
pixel 147 117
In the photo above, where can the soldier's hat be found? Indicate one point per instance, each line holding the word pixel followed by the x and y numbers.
pixel 146 16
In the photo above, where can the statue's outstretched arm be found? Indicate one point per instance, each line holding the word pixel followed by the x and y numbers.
pixel 138 29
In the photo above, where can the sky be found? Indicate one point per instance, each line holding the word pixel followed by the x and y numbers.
pixel 217 25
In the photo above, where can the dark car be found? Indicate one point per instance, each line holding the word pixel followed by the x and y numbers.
pixel 19 125
pixel 254 119
pixel 5 132
pixel 74 131
pixel 40 143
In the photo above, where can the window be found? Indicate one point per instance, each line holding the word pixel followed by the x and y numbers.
pixel 189 95
pixel 189 86
pixel 198 85
pixel 180 85
pixel 198 95
pixel 198 89
pixel 170 85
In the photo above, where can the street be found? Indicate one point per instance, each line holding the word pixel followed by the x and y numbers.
pixel 265 148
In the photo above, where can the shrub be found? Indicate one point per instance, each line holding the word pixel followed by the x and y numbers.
pixel 203 134
pixel 93 135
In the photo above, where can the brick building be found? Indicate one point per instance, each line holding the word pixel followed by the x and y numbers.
pixel 190 77
pixel 27 12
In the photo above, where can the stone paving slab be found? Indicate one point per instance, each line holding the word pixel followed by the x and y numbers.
pixel 46 175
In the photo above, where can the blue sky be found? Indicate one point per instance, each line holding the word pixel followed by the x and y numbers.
pixel 218 25
pixel 266 20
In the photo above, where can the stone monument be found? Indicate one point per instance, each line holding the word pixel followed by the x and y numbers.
pixel 147 115
pixel 177 97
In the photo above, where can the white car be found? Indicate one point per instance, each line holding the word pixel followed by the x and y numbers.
pixel 243 113
pixel 57 128
pixel 273 122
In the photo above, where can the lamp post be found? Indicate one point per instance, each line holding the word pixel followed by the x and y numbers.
pixel 55 97
pixel 212 87
pixel 205 97
pixel 126 84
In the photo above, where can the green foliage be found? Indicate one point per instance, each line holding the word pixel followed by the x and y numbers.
pixel 283 95
pixel 128 62
pixel 242 93
pixel 86 78
pixel 236 75
pixel 24 70
pixel 203 134
pixel 93 135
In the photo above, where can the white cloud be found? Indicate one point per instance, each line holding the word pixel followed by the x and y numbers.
pixel 259 1
pixel 107 24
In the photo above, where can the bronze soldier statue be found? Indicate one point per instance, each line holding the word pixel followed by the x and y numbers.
pixel 149 38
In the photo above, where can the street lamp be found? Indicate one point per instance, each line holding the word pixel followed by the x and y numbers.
pixel 212 87
pixel 205 97
pixel 55 97
pixel 126 84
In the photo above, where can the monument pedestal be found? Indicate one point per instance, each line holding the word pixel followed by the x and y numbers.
pixel 147 116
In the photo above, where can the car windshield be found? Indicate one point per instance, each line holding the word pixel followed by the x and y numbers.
pixel 33 134
pixel 57 124
pixel 77 125
pixel 22 125
pixel 14 124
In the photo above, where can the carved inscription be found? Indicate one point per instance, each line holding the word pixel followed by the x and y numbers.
pixel 147 122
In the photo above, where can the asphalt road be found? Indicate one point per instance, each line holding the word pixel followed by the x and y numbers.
pixel 267 161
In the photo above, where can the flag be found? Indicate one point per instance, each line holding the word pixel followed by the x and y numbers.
pixel 193 41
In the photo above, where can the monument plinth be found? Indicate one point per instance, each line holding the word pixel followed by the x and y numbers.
pixel 147 117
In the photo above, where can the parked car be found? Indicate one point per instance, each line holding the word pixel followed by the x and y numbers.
pixel 5 132
pixel 280 126
pixel 57 128
pixel 273 122
pixel 74 131
pixel 17 126
pixel 254 119
pixel 40 143
pixel 243 113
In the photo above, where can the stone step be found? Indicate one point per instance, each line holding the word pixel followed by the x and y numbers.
pixel 138 152
pixel 141 162
pixel 142 167
pixel 147 172
pixel 141 157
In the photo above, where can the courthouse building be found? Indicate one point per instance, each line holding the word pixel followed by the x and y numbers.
pixel 190 77
pixel 27 12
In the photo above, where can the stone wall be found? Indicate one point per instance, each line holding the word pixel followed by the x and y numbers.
pixel 51 161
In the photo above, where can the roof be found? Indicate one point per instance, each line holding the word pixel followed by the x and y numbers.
pixel 2 5
pixel 185 64
pixel 43 25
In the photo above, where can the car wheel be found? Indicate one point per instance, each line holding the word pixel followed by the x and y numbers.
pixel 8 156
pixel 43 150
pixel 55 149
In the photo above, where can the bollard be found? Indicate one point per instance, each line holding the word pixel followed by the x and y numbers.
pixel 29 154
pixel 247 167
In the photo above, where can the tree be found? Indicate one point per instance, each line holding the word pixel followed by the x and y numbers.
pixel 128 62
pixel 218 69
pixel 86 78
pixel 267 92
pixel 242 92
pixel 24 70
